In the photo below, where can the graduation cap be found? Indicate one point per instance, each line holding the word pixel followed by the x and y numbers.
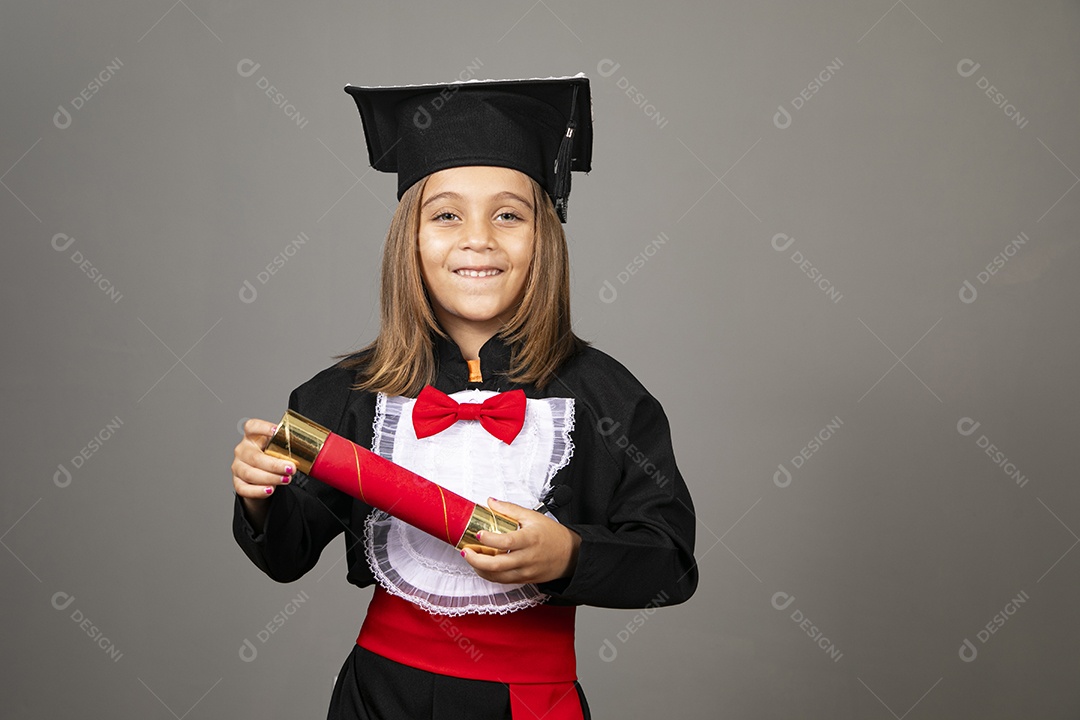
pixel 541 127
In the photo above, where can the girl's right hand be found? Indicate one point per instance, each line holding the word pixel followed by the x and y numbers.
pixel 256 474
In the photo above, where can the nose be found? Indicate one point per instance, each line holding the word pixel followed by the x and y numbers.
pixel 479 234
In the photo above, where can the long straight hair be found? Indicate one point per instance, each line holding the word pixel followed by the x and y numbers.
pixel 401 360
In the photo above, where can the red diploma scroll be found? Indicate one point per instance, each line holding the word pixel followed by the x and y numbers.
pixel 385 485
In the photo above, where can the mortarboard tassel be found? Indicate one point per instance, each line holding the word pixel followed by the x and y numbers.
pixel 561 192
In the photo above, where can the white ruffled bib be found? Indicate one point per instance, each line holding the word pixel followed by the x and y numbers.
pixel 468 460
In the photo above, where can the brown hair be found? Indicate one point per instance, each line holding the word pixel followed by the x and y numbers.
pixel 401 360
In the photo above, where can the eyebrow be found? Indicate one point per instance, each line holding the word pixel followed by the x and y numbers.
pixel 450 195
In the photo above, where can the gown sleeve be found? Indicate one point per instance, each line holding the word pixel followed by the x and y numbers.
pixel 633 512
pixel 305 515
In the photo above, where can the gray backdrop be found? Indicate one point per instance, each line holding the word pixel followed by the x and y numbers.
pixel 835 239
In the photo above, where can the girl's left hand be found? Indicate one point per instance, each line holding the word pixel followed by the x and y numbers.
pixel 538 551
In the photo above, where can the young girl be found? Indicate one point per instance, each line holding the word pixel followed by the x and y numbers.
pixel 475 304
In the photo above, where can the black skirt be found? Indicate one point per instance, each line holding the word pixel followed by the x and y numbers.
pixel 371 687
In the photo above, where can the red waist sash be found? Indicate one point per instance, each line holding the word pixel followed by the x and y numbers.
pixel 531 650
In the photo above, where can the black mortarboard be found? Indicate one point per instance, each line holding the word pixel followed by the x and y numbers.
pixel 541 127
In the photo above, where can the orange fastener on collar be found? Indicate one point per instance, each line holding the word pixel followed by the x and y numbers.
pixel 474 371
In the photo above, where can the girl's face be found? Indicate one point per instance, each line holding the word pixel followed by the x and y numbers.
pixel 476 245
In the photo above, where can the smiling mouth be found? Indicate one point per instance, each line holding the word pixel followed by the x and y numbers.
pixel 478 272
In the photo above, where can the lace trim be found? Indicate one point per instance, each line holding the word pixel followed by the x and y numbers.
pixel 385 425
pixel 380 529
pixel 563 447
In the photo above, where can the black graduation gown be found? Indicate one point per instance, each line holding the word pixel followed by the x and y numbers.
pixel 627 499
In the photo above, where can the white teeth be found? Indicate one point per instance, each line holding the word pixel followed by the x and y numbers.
pixel 478 273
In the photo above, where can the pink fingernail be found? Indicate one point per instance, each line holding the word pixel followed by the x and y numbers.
pixel 289 469
pixel 462 553
pixel 269 490
pixel 478 536
pixel 285 480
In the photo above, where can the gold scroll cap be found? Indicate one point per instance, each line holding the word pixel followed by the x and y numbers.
pixel 297 439
pixel 486 520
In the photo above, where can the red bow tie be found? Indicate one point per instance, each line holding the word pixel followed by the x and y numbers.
pixel 502 415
